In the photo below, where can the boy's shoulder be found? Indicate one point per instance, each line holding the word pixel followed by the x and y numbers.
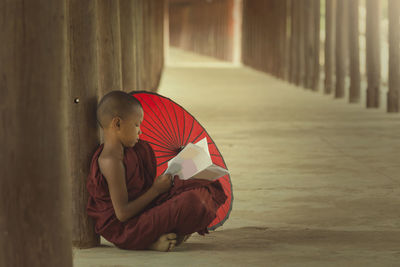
pixel 107 158
pixel 110 165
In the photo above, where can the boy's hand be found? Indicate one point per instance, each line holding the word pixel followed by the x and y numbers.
pixel 163 183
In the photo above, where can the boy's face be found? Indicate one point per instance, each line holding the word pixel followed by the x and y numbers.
pixel 130 128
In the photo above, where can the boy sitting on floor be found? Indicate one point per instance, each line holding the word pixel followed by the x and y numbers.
pixel 131 209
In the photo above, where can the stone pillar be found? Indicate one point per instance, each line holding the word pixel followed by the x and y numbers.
pixel 142 44
pixel 315 76
pixel 294 40
pixel 109 47
pixel 341 48
pixel 35 217
pixel 148 43
pixel 393 97
pixel 308 41
pixel 354 49
pixel 82 131
pixel 301 67
pixel 373 53
pixel 282 45
pixel 129 56
pixel 330 15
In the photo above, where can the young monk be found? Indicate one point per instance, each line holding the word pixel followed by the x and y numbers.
pixel 130 208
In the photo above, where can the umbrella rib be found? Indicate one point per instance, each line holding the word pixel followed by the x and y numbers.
pixel 219 218
pixel 224 213
pixel 160 138
pixel 176 119
pixel 224 208
pixel 164 151
pixel 198 136
pixel 170 120
pixel 172 131
pixel 187 139
pixel 164 130
pixel 162 163
pixel 216 155
pixel 167 133
pixel 184 128
pixel 169 152
pixel 157 145
pixel 160 134
pixel 225 187
pixel 163 156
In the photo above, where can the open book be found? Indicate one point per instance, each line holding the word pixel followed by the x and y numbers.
pixel 194 161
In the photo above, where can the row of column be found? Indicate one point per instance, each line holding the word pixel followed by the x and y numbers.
pixel 283 38
pixel 203 27
pixel 59 58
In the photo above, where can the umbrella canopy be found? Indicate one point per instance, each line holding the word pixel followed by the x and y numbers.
pixel 168 128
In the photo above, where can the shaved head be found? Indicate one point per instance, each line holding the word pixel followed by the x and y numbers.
pixel 116 103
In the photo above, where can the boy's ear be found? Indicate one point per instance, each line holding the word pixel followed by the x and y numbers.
pixel 116 121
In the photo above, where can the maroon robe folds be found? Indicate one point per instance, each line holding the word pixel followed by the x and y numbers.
pixel 188 207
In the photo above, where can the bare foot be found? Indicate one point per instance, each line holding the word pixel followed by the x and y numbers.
pixel 164 243
pixel 186 237
pixel 182 238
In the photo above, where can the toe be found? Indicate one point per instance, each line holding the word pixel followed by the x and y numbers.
pixel 171 247
pixel 171 236
pixel 186 237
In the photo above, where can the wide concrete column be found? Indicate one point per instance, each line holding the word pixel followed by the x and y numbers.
pixel 354 52
pixel 312 43
pixel 109 46
pixel 141 43
pixel 393 97
pixel 301 71
pixel 341 48
pixel 294 41
pixel 373 53
pixel 330 18
pixel 35 217
pixel 315 76
pixel 148 19
pixel 83 134
pixel 129 56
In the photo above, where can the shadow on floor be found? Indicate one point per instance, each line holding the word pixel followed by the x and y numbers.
pixel 264 238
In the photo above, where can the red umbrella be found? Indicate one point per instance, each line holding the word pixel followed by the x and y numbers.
pixel 168 127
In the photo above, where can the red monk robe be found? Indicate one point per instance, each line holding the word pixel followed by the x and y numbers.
pixel 189 206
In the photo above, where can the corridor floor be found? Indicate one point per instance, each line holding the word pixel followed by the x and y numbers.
pixel 315 180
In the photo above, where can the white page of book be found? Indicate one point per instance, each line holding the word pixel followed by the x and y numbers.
pixel 213 172
pixel 191 160
pixel 204 145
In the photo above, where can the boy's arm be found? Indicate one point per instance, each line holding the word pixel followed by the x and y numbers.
pixel 114 172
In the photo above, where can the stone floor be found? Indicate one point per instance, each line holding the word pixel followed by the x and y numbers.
pixel 315 179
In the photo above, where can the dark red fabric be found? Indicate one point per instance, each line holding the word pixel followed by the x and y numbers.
pixel 188 207
pixel 168 127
